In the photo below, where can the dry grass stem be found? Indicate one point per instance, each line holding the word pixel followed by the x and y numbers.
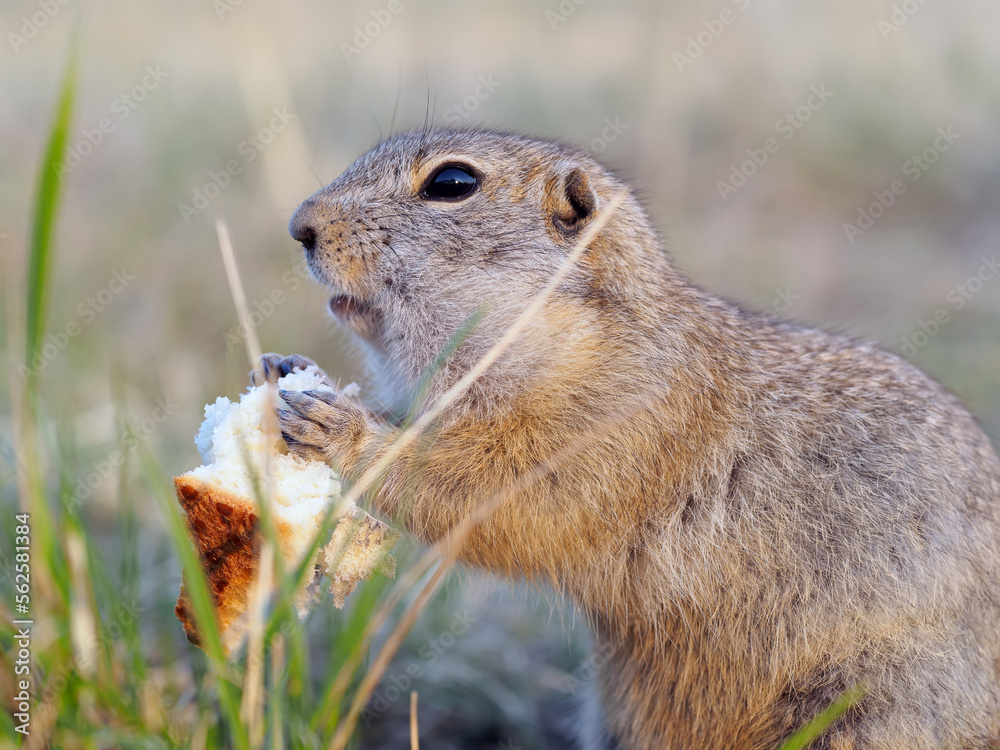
pixel 448 550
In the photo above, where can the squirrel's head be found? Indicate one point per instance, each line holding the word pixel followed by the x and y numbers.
pixel 432 228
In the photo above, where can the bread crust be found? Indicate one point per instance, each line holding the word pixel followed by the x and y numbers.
pixel 224 529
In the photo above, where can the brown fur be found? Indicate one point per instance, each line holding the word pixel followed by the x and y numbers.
pixel 756 516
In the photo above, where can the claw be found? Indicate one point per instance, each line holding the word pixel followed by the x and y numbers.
pixel 291 364
pixel 274 367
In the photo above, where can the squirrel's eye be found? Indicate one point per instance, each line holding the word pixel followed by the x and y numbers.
pixel 450 184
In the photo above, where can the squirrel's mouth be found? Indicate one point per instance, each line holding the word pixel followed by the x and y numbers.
pixel 356 316
pixel 343 306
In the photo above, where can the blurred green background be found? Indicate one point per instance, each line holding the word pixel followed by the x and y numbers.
pixel 195 109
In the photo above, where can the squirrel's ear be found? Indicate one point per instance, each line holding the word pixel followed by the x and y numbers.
pixel 575 202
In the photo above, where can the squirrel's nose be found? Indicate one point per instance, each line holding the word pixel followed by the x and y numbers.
pixel 302 227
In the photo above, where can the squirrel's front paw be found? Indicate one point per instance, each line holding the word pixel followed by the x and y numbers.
pixel 274 366
pixel 323 426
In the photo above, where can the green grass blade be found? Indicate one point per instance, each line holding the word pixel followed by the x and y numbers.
pixel 46 211
pixel 450 347
pixel 201 600
pixel 805 736
pixel 349 638
pixel 45 214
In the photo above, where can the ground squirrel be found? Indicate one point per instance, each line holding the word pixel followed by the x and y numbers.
pixel 755 515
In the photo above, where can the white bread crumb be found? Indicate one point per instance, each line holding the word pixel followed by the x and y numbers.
pixel 236 442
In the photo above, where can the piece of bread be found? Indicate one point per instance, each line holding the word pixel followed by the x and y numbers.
pixel 220 501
